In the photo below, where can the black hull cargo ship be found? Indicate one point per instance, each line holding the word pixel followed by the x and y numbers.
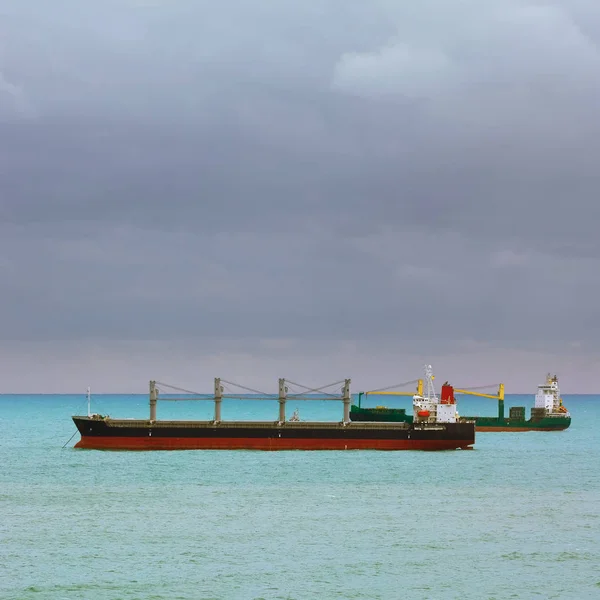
pixel 434 433
pixel 126 434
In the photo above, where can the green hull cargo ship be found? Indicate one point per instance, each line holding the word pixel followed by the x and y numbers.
pixel 548 414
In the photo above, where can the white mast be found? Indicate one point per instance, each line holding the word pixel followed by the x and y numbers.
pixel 89 401
pixel 427 406
pixel 430 393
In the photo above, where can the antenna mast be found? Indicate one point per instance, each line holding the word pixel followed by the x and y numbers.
pixel 89 401
pixel 429 381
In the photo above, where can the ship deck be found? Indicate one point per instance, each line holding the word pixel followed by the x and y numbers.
pixel 195 424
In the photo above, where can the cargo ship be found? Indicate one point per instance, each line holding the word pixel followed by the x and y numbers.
pixel 435 426
pixel 548 414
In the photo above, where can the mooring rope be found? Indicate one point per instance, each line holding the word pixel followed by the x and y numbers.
pixel 70 438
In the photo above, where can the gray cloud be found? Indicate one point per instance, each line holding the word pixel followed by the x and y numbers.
pixel 296 181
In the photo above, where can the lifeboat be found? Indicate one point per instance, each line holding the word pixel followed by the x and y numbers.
pixel 423 413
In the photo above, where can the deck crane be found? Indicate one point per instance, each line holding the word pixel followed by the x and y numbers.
pixel 499 396
pixel 388 391
pixel 382 413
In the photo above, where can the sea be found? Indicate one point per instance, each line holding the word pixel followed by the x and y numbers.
pixel 516 517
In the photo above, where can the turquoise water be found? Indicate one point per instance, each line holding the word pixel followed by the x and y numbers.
pixel 518 517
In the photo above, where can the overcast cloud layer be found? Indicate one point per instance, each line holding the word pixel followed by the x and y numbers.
pixel 323 190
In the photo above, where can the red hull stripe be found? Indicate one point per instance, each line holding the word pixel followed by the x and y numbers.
pixel 157 443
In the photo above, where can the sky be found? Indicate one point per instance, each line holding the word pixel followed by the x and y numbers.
pixel 255 190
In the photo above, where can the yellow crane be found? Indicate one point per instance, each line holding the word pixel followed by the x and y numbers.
pixel 386 391
pixel 499 396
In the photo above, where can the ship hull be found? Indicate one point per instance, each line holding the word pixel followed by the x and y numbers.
pixel 488 428
pixel 522 426
pixel 112 434
pixel 538 424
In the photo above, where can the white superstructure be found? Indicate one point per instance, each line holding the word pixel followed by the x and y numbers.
pixel 548 397
pixel 429 408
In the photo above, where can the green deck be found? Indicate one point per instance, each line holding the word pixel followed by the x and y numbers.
pixel 396 415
